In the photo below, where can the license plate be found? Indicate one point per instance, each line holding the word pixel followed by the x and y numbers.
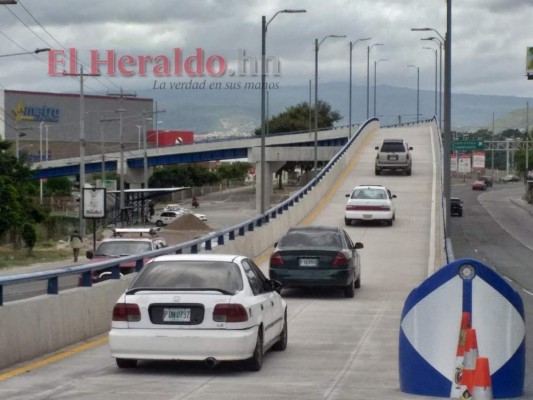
pixel 308 262
pixel 177 315
pixel 393 157
pixel 367 216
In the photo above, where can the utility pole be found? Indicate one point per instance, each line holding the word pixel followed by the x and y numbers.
pixel 121 110
pixel 82 75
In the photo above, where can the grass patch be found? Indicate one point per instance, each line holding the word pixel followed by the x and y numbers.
pixel 10 258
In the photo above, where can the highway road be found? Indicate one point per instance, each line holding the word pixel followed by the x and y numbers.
pixel 497 230
pixel 338 348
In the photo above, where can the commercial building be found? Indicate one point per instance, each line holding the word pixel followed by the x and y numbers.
pixel 32 120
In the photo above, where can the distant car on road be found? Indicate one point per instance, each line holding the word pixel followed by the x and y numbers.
pixel 165 217
pixel 370 203
pixel 456 206
pixel 124 242
pixel 479 185
pixel 317 256
pixel 394 155
pixel 487 179
pixel 178 208
pixel 510 178
pixel 199 307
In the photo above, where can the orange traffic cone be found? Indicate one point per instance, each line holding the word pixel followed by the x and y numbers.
pixel 459 356
pixel 469 365
pixel 482 382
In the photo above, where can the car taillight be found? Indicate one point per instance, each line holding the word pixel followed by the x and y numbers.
pixel 340 260
pixel 126 312
pixel 276 259
pixel 230 313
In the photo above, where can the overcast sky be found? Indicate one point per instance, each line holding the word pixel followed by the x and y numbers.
pixel 489 40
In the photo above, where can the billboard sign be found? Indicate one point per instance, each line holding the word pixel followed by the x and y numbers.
pixel 94 202
pixel 464 163
pixel 478 160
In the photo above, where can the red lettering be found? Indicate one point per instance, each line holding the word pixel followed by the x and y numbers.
pixel 197 60
pixel 162 66
pixel 177 61
pixel 55 58
pixel 73 60
pixel 124 62
pixel 143 61
pixel 212 62
pixel 109 62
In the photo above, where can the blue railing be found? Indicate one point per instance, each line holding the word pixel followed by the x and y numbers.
pixel 204 243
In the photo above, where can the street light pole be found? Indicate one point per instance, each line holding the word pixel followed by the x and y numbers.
pixel 434 50
pixel 417 90
pixel 447 137
pixel 317 47
pixel 352 44
pixel 41 160
pixel 264 27
pixel 440 44
pixel 375 73
pixel 36 51
pixel 368 78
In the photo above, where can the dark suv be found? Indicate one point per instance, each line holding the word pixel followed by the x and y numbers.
pixel 456 207
pixel 393 154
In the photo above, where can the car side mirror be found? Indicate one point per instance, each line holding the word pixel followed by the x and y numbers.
pixel 89 254
pixel 348 195
pixel 377 147
pixel 393 196
pixel 275 286
pixel 410 148
pixel 359 245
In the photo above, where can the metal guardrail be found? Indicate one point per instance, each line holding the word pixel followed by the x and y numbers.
pixel 192 246
pixel 204 243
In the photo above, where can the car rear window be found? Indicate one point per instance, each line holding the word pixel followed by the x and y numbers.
pixel 119 248
pixel 392 147
pixel 310 239
pixel 369 194
pixel 190 275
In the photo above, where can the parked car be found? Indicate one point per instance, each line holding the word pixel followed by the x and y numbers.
pixel 510 178
pixel 479 185
pixel 317 256
pixel 165 217
pixel 177 207
pixel 394 155
pixel 487 179
pixel 370 203
pixel 124 242
pixel 456 206
pixel 199 307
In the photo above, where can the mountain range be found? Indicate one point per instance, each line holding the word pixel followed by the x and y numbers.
pixel 237 109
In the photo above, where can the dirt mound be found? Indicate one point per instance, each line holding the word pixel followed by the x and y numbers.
pixel 188 222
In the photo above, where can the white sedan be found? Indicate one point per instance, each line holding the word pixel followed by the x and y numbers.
pixel 370 203
pixel 199 307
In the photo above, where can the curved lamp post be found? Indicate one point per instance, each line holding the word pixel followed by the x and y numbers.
pixel 352 44
pixel 375 74
pixel 36 51
pixel 264 26
pixel 317 47
pixel 368 78
pixel 434 50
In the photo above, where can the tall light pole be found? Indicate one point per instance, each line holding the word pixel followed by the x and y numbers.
pixel 82 75
pixel 264 27
pixel 447 137
pixel 317 47
pixel 368 77
pixel 434 50
pixel 375 74
pixel 139 127
pixel 352 44
pixel 440 43
pixel 41 161
pixel 417 90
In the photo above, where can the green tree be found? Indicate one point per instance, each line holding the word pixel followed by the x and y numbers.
pixel 60 186
pixel 16 192
pixel 296 118
pixel 187 175
pixel 29 235
pixel 235 171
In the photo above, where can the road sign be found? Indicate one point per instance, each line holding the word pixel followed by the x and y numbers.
pixel 468 145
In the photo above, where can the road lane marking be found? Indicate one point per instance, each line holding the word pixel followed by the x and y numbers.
pixel 52 359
